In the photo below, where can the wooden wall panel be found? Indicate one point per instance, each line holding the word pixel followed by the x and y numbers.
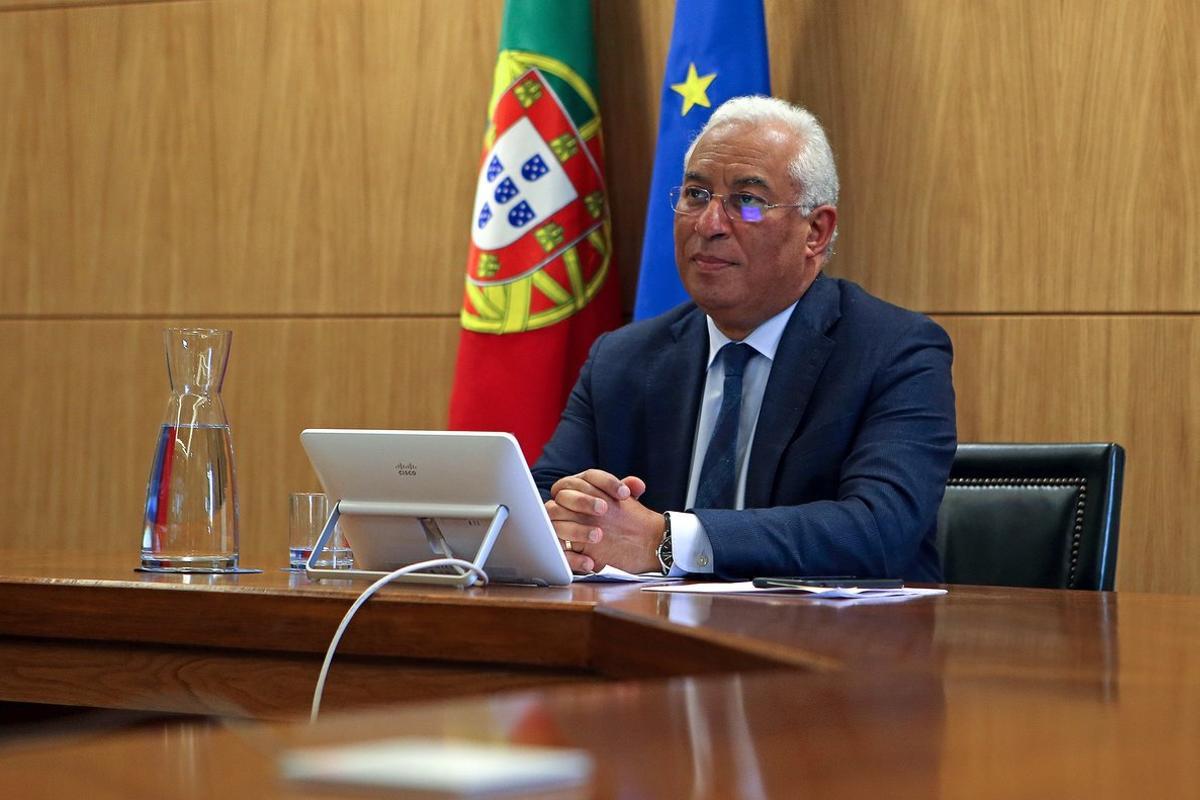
pixel 84 399
pixel 1008 156
pixel 308 156
pixel 27 5
pixel 632 40
pixel 1125 379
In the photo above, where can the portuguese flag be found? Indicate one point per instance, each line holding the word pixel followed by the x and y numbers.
pixel 541 282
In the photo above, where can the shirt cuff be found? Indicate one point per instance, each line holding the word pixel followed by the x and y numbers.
pixel 690 547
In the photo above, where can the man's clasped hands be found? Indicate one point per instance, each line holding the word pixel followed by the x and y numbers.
pixel 600 521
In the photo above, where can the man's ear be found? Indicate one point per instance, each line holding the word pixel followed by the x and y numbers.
pixel 822 223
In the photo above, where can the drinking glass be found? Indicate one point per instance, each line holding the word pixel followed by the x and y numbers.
pixel 307 515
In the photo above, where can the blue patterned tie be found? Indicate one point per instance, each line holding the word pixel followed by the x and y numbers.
pixel 718 475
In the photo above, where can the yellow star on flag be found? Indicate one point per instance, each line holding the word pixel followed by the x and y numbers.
pixel 694 89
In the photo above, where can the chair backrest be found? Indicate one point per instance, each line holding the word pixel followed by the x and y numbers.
pixel 1032 515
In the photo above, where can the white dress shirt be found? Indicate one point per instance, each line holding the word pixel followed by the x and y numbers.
pixel 690 546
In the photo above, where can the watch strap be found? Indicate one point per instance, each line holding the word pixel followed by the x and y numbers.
pixel 666 556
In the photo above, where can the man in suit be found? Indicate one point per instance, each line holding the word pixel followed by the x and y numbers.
pixel 782 423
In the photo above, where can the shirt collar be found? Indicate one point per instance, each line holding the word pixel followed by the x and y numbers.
pixel 764 339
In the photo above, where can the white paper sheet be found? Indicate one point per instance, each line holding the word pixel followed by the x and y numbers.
pixel 610 574
pixel 823 592
pixel 441 767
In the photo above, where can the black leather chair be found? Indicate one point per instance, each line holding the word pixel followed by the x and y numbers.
pixel 1032 515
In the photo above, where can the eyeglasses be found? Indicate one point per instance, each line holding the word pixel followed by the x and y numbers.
pixel 743 206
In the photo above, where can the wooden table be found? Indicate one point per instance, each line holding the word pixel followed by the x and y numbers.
pixel 885 735
pixel 983 692
pixel 90 631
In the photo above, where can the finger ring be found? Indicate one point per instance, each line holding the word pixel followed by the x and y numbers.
pixel 566 544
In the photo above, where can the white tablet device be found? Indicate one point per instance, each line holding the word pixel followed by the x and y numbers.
pixel 401 497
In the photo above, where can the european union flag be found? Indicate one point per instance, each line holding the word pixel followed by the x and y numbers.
pixel 718 51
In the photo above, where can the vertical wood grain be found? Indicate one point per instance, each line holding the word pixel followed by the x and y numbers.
pixel 84 401
pixel 632 40
pixel 308 156
pixel 1008 156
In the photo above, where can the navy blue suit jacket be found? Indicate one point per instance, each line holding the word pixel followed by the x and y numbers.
pixel 850 457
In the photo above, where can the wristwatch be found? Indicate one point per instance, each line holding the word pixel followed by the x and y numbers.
pixel 665 555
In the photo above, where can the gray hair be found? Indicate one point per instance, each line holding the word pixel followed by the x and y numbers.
pixel 813 167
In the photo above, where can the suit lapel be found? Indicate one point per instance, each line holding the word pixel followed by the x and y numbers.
pixel 803 351
pixel 674 381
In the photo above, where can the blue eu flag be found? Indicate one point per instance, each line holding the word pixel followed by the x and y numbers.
pixel 718 51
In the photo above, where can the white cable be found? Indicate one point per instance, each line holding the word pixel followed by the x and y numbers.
pixel 365 596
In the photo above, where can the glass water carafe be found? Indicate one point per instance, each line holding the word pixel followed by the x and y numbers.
pixel 191 521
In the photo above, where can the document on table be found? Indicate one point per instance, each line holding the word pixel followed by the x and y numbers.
pixel 610 574
pixel 442 768
pixel 822 592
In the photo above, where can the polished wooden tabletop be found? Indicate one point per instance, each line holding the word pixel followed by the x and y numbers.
pixel 88 630
pixel 887 734
pixel 980 692
pixel 261 633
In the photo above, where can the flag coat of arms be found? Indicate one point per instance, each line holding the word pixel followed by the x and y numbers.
pixel 718 51
pixel 539 284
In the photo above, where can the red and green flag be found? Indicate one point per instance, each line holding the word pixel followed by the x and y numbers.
pixel 541 282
